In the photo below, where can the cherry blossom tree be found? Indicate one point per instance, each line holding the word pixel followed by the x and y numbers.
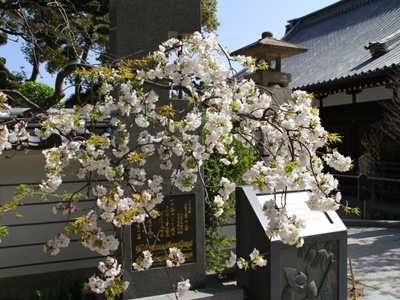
pixel 113 164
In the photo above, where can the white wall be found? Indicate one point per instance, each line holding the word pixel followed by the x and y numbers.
pixel 366 95
pixel 21 252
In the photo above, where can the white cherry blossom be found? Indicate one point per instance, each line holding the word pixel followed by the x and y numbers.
pixel 178 141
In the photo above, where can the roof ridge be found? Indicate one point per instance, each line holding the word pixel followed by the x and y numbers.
pixel 392 40
pixel 331 11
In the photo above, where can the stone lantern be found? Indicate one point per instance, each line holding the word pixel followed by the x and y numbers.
pixel 271 51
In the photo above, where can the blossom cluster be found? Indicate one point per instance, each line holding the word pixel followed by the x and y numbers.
pixel 5 109
pixel 96 240
pixel 183 287
pixel 286 227
pixel 255 260
pixel 338 161
pixel 64 208
pixel 13 133
pixel 143 263
pixel 53 246
pixel 110 278
pixel 226 188
pixel 18 135
pixel 176 257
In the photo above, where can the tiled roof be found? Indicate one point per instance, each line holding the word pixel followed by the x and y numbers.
pixel 337 37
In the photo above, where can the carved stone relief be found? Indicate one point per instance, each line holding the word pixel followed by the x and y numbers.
pixel 310 272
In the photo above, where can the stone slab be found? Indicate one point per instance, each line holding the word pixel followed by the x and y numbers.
pixel 375 254
pixel 372 294
pixel 216 293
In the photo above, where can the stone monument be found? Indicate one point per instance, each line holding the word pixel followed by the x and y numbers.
pixel 316 271
pixel 136 29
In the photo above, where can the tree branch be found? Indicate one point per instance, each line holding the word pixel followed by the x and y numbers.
pixel 25 99
pixel 58 88
pixel 15 5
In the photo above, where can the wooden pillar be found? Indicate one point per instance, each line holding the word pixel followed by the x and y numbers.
pixel 321 105
pixel 354 120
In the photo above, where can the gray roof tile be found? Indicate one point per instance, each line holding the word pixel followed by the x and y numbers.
pixel 336 37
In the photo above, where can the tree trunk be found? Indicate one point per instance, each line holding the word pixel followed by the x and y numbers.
pixel 35 72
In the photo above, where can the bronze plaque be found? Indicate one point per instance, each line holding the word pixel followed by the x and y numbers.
pixel 175 227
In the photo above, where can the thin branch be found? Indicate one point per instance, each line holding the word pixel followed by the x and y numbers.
pixel 25 99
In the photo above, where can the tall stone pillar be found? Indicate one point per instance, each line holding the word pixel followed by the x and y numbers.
pixel 137 27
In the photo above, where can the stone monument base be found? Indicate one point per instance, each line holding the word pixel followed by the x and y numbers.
pixel 214 290
pixel 231 292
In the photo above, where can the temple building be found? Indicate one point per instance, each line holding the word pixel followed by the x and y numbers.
pixel 351 67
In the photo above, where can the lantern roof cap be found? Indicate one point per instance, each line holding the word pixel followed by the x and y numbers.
pixel 269 46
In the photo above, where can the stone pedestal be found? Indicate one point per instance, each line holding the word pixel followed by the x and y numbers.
pixel 214 290
pixel 318 270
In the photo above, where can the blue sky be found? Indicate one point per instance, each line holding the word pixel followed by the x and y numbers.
pixel 242 23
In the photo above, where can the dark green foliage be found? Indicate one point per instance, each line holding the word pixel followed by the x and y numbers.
pixel 8 80
pixel 73 292
pixel 214 170
pixel 56 32
pixel 89 95
pixel 35 91
pixel 64 32
pixel 209 21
